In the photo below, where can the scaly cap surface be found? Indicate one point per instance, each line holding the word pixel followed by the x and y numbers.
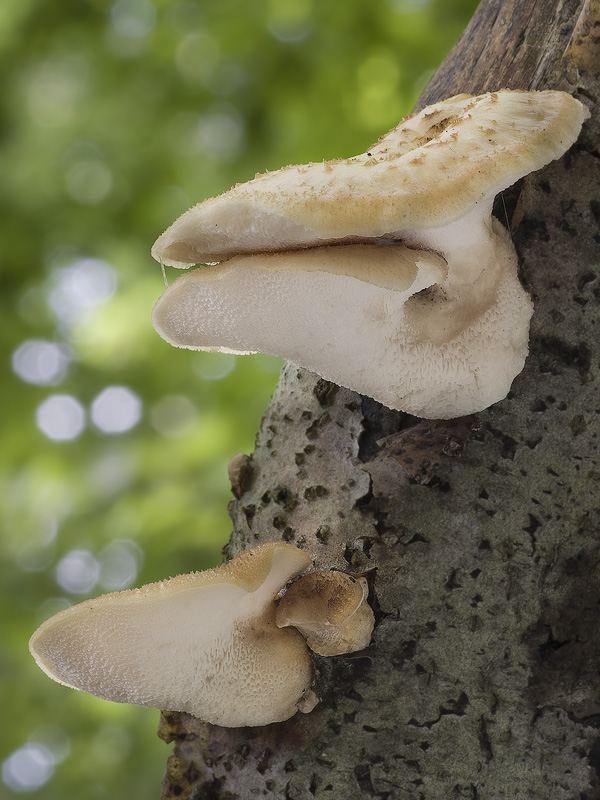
pixel 427 172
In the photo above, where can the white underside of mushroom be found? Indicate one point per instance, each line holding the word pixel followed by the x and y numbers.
pixel 192 643
pixel 436 334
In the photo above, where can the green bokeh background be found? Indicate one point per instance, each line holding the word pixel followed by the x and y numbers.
pixel 114 118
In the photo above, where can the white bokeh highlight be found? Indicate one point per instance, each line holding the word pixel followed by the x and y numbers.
pixel 116 410
pixel 61 417
pixel 40 362
pixel 120 562
pixel 28 768
pixel 32 765
pixel 78 572
pixel 79 288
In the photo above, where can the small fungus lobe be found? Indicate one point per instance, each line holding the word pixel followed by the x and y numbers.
pixel 207 643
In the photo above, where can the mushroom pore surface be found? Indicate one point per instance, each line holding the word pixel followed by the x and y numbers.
pixel 204 643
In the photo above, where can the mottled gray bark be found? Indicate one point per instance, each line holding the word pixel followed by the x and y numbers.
pixel 480 537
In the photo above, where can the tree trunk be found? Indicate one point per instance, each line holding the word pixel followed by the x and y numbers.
pixel 482 680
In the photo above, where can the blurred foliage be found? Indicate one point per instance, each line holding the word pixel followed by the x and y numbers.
pixel 114 118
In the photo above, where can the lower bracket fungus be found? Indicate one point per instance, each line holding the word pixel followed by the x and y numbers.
pixel 207 643
pixel 385 273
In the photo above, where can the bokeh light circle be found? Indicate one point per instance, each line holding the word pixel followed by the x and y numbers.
pixel 116 410
pixel 61 417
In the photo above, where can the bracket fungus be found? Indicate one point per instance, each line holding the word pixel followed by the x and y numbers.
pixel 206 643
pixel 330 610
pixel 385 273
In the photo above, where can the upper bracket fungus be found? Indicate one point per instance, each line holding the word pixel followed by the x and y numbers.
pixel 384 273
pixel 207 643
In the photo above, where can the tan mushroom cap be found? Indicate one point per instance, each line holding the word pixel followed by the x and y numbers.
pixel 427 172
pixel 205 643
pixel 330 610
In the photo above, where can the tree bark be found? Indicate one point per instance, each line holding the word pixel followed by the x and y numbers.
pixel 479 536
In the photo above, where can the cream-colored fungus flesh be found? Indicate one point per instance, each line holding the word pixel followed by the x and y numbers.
pixel 204 643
